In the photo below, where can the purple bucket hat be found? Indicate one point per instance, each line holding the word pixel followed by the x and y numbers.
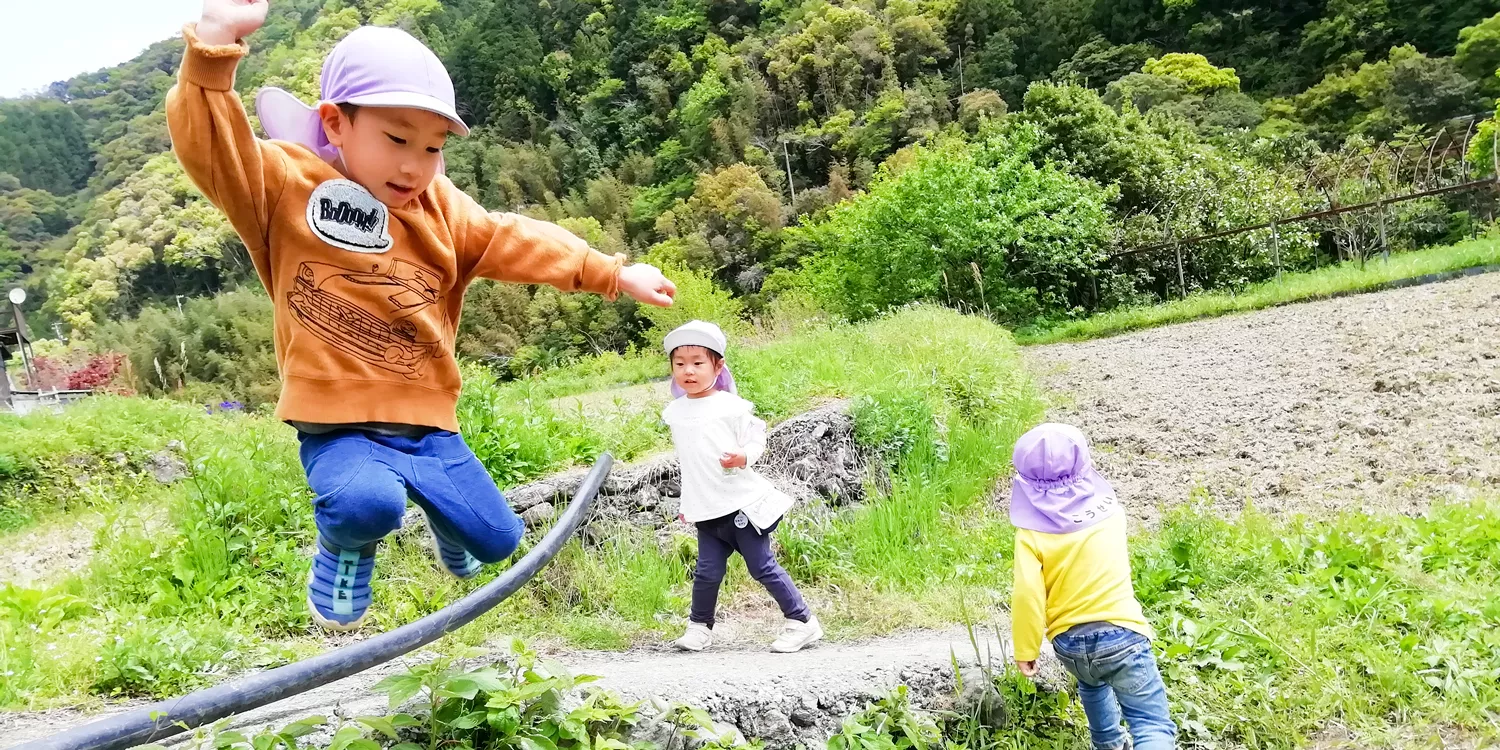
pixel 1056 489
pixel 372 67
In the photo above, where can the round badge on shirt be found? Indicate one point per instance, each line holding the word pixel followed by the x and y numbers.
pixel 741 520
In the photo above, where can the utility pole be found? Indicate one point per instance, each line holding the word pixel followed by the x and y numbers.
pixel 960 70
pixel 785 154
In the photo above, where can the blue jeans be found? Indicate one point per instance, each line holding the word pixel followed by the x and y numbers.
pixel 362 481
pixel 1117 675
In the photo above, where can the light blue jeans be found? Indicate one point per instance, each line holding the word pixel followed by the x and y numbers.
pixel 1117 677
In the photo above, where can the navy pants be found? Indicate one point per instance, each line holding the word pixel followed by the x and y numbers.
pixel 362 481
pixel 717 540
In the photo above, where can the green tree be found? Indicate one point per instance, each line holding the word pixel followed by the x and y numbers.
pixel 980 107
pixel 1007 237
pixel 1077 130
pixel 42 143
pixel 216 349
pixel 494 321
pixel 1380 98
pixel 1478 54
pixel 730 227
pixel 1100 62
pixel 153 237
pixel 1195 71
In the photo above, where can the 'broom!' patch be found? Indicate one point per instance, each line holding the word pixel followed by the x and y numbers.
pixel 344 214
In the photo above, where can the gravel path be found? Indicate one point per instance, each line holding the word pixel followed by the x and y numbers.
pixel 782 698
pixel 1383 401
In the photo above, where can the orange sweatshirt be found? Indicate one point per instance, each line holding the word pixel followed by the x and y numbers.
pixel 367 297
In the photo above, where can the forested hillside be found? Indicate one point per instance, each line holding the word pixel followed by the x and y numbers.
pixel 849 155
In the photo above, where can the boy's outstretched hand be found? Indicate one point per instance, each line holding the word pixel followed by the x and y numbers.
pixel 1028 668
pixel 228 21
pixel 645 283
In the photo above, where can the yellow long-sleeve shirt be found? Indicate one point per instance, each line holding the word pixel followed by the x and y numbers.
pixel 1064 580
pixel 367 296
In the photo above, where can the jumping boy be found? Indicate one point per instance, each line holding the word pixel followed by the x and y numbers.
pixel 366 250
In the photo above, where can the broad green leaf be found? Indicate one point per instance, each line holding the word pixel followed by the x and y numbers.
pixel 399 688
pixel 536 742
pixel 378 723
pixel 532 690
pixel 225 739
pixel 469 720
pixel 304 727
pixel 488 679
pixel 344 737
pixel 459 687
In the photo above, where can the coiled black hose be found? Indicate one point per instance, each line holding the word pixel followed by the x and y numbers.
pixel 171 717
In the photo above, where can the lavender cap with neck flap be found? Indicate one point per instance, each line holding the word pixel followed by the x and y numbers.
pixel 372 67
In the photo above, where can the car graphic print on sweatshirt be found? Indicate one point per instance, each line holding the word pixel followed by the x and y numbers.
pixel 374 315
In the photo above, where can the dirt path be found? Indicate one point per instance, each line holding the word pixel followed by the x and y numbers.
pixel 783 698
pixel 1383 401
pixel 644 395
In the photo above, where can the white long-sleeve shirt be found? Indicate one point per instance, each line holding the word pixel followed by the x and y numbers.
pixel 703 430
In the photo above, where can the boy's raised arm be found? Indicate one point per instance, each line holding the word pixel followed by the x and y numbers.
pixel 211 133
pixel 523 250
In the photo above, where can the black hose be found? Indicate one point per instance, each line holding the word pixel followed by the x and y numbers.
pixel 171 717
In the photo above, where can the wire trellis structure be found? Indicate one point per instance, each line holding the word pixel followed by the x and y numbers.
pixel 1349 193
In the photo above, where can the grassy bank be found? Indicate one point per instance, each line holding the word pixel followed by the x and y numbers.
pixel 1358 631
pixel 190 581
pixel 1270 632
pixel 1345 278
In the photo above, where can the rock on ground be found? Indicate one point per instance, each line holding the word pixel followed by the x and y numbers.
pixel 810 456
pixel 1385 402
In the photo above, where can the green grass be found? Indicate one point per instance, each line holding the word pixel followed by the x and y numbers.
pixel 1269 631
pixel 1345 278
pixel 191 581
pixel 53 463
pixel 1384 625
pixel 599 373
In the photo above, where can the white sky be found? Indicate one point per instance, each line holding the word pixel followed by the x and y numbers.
pixel 42 41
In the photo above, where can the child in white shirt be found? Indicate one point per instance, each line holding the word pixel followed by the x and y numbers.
pixel 718 437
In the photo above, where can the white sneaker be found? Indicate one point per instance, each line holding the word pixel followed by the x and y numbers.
pixel 697 638
pixel 797 635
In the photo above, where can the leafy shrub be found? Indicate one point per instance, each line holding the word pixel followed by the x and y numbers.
pixel 1008 238
pixel 890 723
pixel 699 297
pixel 893 424
pixel 515 434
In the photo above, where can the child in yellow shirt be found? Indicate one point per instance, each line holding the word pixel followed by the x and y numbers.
pixel 1072 584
